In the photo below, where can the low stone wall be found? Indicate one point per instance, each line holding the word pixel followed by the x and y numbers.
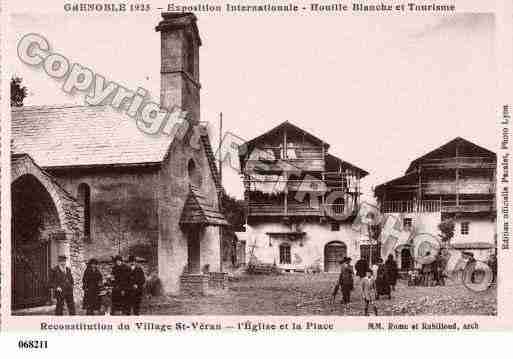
pixel 217 280
pixel 194 284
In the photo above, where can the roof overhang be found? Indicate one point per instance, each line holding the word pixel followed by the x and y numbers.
pixel 197 211
pixel 287 235
pixel 472 245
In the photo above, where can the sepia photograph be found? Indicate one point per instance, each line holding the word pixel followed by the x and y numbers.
pixel 203 161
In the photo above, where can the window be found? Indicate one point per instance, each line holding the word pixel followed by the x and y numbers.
pixel 367 251
pixel 407 223
pixel 84 197
pixel 306 198
pixel 194 174
pixel 335 226
pixel 285 253
pixel 465 228
pixel 338 206
pixel 190 54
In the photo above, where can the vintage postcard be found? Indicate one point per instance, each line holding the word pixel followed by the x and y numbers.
pixel 256 167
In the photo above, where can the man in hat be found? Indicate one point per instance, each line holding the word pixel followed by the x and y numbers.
pixel 136 280
pixel 345 281
pixel 120 286
pixel 61 281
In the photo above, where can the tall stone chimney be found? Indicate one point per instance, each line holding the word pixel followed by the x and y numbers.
pixel 179 69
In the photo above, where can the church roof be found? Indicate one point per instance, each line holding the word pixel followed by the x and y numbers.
pixel 61 136
pixel 197 210
pixel 72 136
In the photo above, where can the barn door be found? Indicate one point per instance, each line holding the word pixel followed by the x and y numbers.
pixel 334 252
pixel 30 274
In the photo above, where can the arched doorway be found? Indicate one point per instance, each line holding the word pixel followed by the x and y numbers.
pixel 334 252
pixel 34 220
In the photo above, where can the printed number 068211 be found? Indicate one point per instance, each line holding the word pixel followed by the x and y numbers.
pixel 33 344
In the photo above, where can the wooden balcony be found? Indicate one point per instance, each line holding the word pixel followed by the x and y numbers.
pixel 337 210
pixel 463 206
pixel 470 206
pixel 410 206
pixel 293 158
pixel 299 165
pixel 273 209
pixel 278 184
pixel 460 162
pixel 464 186
pixel 299 210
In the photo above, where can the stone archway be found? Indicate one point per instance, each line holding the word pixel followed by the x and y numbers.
pixel 46 222
pixel 34 220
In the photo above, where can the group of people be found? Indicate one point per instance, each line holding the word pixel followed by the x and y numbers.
pixel 378 280
pixel 429 274
pixel 126 283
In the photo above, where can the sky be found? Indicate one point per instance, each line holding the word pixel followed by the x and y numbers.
pixel 381 90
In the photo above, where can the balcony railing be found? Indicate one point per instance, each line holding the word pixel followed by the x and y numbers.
pixel 463 205
pixel 279 184
pixel 410 206
pixel 273 153
pixel 335 211
pixel 459 162
pixel 276 158
pixel 464 186
pixel 278 209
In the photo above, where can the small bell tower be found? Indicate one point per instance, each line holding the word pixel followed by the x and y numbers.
pixel 179 69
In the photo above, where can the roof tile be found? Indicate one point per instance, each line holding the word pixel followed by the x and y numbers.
pixel 83 136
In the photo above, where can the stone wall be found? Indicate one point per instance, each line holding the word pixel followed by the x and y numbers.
pixel 194 284
pixel 210 248
pixel 306 252
pixel 123 212
pixel 174 188
pixel 217 280
pixel 65 230
pixel 180 88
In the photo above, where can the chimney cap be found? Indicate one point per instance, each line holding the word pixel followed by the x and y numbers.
pixel 178 20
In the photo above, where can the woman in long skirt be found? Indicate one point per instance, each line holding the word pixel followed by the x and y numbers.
pixel 382 281
pixel 392 271
pixel 92 283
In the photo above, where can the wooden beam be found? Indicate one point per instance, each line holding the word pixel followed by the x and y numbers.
pixel 457 176
pixel 419 189
pixel 284 156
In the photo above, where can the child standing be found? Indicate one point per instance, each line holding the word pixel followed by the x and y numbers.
pixel 368 291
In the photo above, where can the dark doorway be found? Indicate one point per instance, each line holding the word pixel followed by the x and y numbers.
pixel 406 259
pixel 193 251
pixel 334 252
pixel 34 218
pixel 30 273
